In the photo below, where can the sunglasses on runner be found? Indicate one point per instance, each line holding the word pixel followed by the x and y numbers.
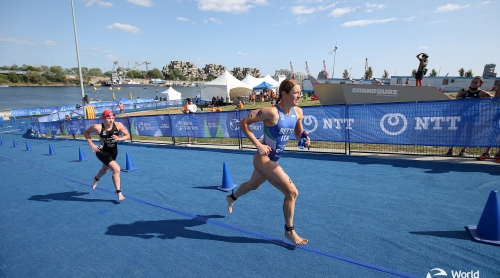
pixel 104 116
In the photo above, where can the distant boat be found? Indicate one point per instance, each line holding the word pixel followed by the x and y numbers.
pixel 4 86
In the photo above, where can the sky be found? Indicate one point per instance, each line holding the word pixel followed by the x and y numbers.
pixel 263 34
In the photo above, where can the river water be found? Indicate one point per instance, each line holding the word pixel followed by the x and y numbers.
pixel 34 97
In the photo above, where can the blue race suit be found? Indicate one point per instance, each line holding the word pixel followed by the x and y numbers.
pixel 276 137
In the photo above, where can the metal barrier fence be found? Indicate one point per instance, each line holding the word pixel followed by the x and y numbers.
pixel 424 128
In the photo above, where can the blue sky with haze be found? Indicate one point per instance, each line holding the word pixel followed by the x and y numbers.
pixel 263 34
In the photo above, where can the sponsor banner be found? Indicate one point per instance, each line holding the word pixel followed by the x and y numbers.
pixel 330 123
pixel 257 128
pixel 187 125
pixel 156 126
pixel 74 126
pixel 472 122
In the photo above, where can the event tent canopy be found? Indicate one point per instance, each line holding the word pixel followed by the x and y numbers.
pixel 226 86
pixel 172 94
pixel 252 81
pixel 270 80
pixel 263 86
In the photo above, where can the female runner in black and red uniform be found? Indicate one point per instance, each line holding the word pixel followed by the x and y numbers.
pixel 107 150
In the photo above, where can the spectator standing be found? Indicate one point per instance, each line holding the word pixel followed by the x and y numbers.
pixel 473 92
pixel 191 109
pixel 486 153
pixel 68 119
pixel 422 70
pixel 120 106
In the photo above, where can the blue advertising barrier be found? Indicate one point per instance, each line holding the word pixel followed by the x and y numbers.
pixel 472 122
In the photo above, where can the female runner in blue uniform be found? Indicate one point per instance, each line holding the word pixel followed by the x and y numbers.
pixel 107 150
pixel 280 122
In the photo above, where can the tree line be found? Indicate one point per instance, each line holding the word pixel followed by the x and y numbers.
pixel 45 75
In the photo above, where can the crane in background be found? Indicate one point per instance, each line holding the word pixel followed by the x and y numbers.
pixel 119 72
pixel 307 70
pixel 293 73
pixel 334 52
pixel 325 72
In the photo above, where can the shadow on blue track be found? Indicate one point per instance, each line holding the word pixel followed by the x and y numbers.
pixel 171 229
pixel 464 235
pixel 72 196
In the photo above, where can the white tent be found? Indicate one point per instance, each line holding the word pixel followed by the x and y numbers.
pixel 226 86
pixel 252 81
pixel 270 80
pixel 278 83
pixel 172 94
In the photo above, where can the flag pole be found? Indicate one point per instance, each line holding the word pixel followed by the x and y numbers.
pixel 78 58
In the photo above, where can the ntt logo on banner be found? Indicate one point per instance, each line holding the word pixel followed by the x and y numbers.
pixel 438 272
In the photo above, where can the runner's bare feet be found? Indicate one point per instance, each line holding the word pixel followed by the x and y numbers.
pixel 94 185
pixel 295 238
pixel 120 196
pixel 230 202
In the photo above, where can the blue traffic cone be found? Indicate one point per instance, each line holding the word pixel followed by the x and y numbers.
pixel 14 144
pixel 1 124
pixel 21 128
pixel 488 228
pixel 32 118
pixel 130 165
pixel 2 142
pixel 81 156
pixel 227 182
pixel 28 147
pixel 51 150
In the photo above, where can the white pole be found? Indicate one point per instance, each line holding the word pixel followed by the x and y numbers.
pixel 78 58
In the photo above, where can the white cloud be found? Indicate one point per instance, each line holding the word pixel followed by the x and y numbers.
pixel 229 6
pixel 300 20
pixel 14 40
pixel 410 18
pixel 51 43
pixel 365 22
pixel 342 11
pixel 214 20
pixel 124 27
pixel 423 47
pixel 438 21
pixel 450 8
pixel 183 19
pixel 90 3
pixel 486 2
pixel 302 10
pixel 308 1
pixel 144 3
pixel 242 53
pixel 374 6
pixel 323 8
